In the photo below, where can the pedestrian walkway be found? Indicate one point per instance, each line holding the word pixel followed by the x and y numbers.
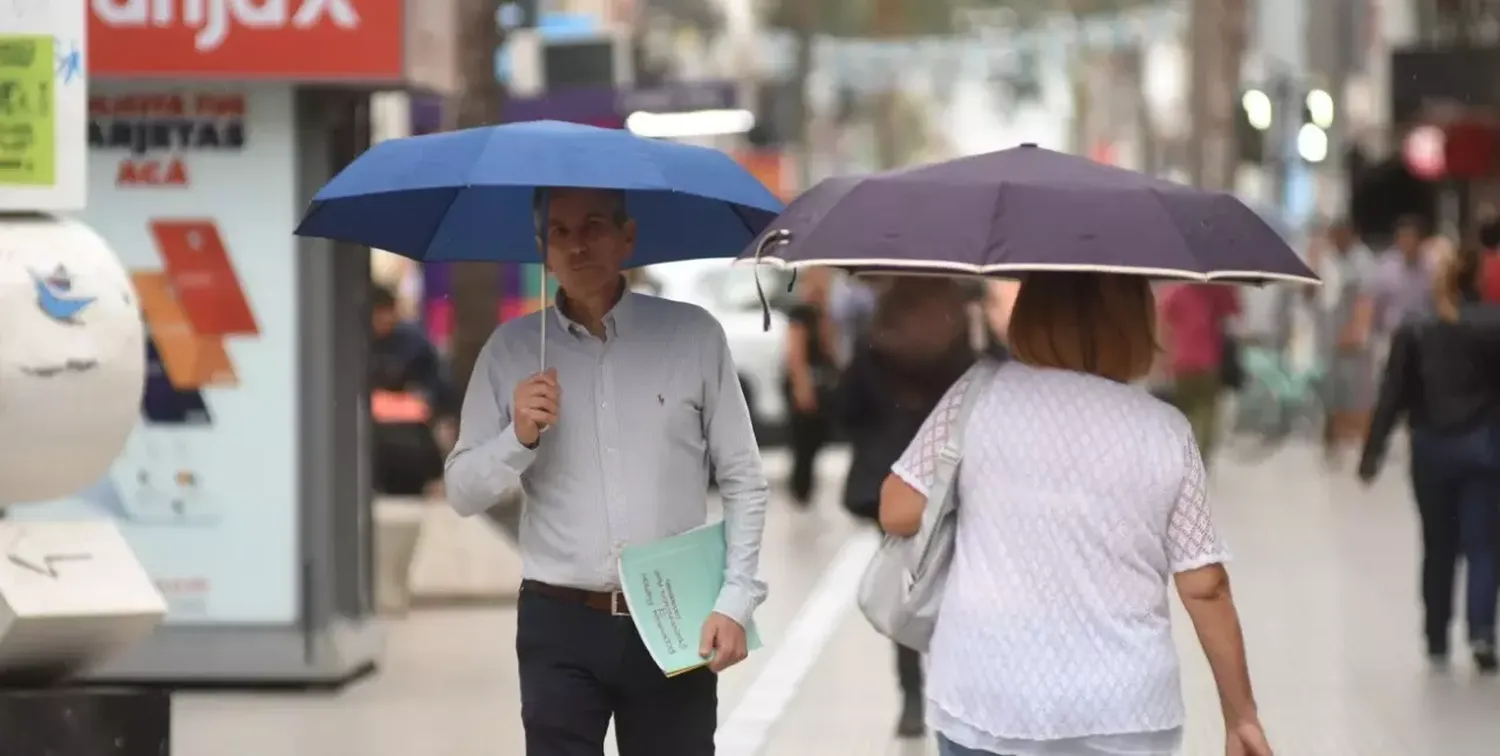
pixel 1325 575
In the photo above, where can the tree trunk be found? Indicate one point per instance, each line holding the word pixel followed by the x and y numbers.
pixel 1149 146
pixel 476 286
pixel 1218 32
pixel 889 22
pixel 804 21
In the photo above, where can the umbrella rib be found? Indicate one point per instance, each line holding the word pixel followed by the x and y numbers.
pixel 1161 203
pixel 739 214
pixel 442 218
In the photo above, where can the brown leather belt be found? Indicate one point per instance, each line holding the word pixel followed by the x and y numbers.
pixel 609 602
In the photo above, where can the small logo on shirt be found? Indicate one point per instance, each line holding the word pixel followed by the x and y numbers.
pixel 662 400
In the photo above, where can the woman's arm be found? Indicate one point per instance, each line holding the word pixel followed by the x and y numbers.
pixel 798 367
pixel 903 495
pixel 1361 323
pixel 1391 403
pixel 900 507
pixel 1196 555
pixel 1210 605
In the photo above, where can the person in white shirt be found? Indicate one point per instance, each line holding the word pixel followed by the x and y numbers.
pixel 1082 498
pixel 641 404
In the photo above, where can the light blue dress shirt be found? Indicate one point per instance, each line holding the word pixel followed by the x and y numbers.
pixel 645 414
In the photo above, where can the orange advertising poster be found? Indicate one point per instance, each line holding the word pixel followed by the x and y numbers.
pixel 770 168
pixel 192 360
pixel 202 277
pixel 205 39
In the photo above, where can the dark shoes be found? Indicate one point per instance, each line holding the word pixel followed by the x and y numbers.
pixel 1484 657
pixel 912 723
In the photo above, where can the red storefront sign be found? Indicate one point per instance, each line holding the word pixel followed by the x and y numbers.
pixel 1470 149
pixel 309 40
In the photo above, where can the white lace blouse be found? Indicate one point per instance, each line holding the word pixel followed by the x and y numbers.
pixel 1078 499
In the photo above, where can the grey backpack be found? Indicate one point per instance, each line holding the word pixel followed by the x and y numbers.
pixel 902 588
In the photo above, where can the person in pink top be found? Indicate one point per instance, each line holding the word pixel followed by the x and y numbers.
pixel 1194 318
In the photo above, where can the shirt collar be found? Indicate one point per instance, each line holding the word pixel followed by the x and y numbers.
pixel 617 318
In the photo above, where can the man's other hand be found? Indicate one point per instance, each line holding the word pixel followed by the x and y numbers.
pixel 723 644
pixel 536 402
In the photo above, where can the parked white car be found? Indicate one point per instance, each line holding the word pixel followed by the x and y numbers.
pixel 728 293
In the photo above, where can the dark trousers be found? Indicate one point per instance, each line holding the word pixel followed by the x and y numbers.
pixel 909 671
pixel 1457 490
pixel 580 667
pixel 808 433
pixel 1197 396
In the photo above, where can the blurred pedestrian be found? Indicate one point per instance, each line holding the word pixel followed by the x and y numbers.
pixel 851 305
pixel 411 406
pixel 1346 313
pixel 641 402
pixel 918 346
pixel 999 301
pixel 1403 280
pixel 1081 499
pixel 1489 269
pixel 1195 319
pixel 811 377
pixel 1443 381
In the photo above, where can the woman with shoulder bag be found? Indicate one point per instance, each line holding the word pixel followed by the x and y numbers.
pixel 1080 500
pixel 918 346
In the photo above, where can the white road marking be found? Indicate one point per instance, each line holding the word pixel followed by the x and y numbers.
pixel 745 731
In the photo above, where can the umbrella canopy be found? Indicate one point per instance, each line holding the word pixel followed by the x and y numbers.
pixel 1024 210
pixel 469 195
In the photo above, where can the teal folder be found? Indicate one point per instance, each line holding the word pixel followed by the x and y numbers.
pixel 671 586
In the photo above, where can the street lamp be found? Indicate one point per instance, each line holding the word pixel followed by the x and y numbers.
pixel 1312 143
pixel 1258 109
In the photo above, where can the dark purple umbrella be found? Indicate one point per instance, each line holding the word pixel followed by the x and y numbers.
pixel 1022 210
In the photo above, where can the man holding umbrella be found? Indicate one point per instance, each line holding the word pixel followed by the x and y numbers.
pixel 641 397
pixel 611 425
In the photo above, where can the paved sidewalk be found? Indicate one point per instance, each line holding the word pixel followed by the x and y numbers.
pixel 447 685
pixel 1325 575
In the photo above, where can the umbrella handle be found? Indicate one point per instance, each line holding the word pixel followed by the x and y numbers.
pixel 779 236
pixel 543 224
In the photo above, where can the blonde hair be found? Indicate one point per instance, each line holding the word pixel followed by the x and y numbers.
pixel 1094 323
pixel 1447 282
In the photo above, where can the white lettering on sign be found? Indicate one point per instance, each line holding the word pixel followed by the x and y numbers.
pixel 213 19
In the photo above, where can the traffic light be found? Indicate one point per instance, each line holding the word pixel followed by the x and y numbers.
pixel 1317 119
pixel 1253 120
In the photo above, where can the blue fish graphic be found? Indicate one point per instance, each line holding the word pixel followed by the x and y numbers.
pixel 52 297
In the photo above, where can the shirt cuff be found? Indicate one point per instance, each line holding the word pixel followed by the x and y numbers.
pixel 513 453
pixel 1199 561
pixel 736 603
pixel 911 479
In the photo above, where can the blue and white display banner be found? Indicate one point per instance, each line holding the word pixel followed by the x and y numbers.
pixel 871 64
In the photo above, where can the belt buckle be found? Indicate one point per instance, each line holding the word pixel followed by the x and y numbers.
pixel 618 606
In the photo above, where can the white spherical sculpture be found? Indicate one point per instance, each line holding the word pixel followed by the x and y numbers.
pixel 72 358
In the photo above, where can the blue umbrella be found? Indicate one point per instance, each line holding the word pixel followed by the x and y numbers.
pixel 468 195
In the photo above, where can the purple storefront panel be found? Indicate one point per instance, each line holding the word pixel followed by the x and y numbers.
pixel 594 106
